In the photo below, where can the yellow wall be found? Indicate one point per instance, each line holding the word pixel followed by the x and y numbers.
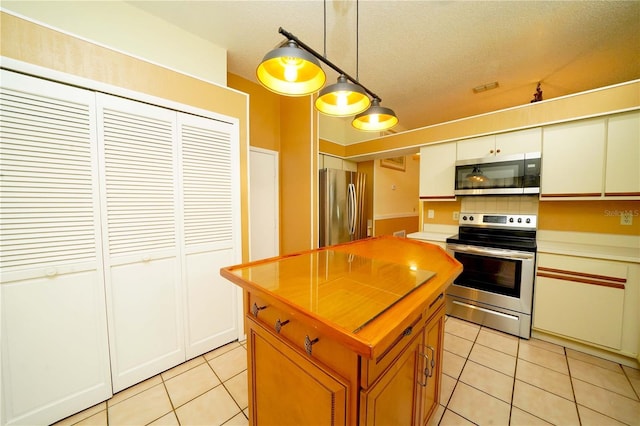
pixel 588 216
pixel 264 113
pixel 389 226
pixel 31 43
pixel 298 184
pixel 442 212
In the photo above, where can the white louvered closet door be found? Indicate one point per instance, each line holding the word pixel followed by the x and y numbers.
pixel 141 212
pixel 55 358
pixel 210 184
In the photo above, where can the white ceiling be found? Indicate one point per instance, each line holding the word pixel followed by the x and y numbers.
pixel 423 58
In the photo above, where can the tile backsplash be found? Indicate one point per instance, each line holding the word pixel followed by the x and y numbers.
pixel 520 204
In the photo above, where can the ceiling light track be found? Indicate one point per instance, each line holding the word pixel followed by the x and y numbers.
pixel 327 62
pixel 293 70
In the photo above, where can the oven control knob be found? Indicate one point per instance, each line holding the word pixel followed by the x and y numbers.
pixel 519 220
pixel 471 218
pixel 464 218
pixel 528 220
pixel 511 219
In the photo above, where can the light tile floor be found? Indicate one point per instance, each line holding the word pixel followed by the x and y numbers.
pixel 489 378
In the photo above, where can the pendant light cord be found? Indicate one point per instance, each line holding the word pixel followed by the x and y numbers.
pixel 357 39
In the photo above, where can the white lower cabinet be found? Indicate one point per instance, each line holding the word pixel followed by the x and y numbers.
pixel 117 217
pixel 593 301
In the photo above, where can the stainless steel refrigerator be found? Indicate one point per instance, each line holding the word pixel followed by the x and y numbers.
pixel 342 215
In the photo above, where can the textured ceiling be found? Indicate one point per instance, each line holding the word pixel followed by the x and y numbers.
pixel 423 58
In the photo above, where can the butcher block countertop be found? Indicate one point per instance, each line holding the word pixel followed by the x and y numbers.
pixel 359 293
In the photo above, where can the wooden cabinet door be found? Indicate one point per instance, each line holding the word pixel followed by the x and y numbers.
pixel 393 399
pixel 623 151
pixel 286 388
pixel 432 357
pixel 437 171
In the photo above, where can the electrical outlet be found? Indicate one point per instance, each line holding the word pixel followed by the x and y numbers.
pixel 626 218
pixel 430 214
pixel 456 215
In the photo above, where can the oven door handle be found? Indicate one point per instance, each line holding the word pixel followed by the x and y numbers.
pixel 506 254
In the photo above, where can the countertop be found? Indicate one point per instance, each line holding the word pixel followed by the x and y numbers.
pixel 359 292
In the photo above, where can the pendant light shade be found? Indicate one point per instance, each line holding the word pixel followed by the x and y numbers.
pixel 376 118
pixel 342 99
pixel 291 71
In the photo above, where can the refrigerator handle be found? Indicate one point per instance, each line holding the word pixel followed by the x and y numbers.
pixel 352 208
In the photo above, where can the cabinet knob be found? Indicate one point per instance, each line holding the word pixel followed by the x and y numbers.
pixel 490 151
pixel 280 324
pixel 255 309
pixel 308 344
pixel 497 151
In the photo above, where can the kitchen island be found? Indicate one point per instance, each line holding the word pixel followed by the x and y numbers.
pixel 347 334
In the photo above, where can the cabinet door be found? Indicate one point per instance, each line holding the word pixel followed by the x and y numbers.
pixel 286 388
pixel 573 159
pixel 580 299
pixel 393 400
pixel 55 358
pixel 437 171
pixel 521 141
pixel 142 262
pixel 432 358
pixel 623 155
pixel 480 147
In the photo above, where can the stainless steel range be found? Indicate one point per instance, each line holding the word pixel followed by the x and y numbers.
pixel 498 254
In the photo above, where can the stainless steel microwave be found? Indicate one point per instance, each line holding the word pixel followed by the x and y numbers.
pixel 502 175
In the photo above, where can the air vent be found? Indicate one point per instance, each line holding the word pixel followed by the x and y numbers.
pixel 485 87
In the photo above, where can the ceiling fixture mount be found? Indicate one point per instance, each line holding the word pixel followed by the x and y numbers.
pixel 294 69
pixel 537 97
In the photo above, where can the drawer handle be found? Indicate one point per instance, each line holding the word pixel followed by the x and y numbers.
pixel 280 324
pixel 308 344
pixel 408 331
pixel 440 296
pixel 255 309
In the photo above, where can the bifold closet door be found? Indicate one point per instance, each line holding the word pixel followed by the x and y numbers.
pixel 55 357
pixel 209 163
pixel 140 218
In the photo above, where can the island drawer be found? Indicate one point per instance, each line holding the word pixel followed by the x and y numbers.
pixel 302 335
pixel 372 369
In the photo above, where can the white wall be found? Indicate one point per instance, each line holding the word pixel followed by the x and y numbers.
pixel 128 29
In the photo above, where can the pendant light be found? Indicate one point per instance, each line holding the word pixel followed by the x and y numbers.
pixel 376 118
pixel 290 70
pixel 342 98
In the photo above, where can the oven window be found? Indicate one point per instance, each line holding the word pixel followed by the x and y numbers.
pixel 490 274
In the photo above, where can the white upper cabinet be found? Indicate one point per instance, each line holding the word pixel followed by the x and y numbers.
pixel 573 159
pixel 518 142
pixel 437 171
pixel 623 155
